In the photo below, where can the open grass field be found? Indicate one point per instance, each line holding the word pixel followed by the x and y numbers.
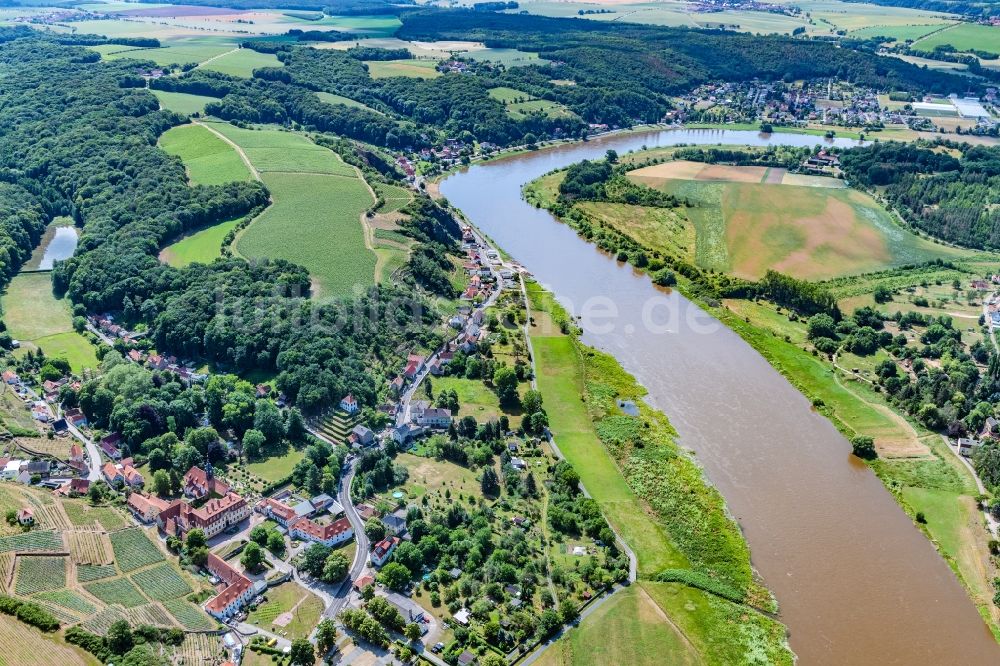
pixel 628 629
pixel 549 109
pixel 330 98
pixel 474 398
pixel 203 246
pixel 242 62
pixel 509 95
pixel 418 69
pixel 428 475
pixel 208 159
pixel 276 467
pixel 506 57
pixel 83 514
pixel 184 103
pixel 809 232
pixel 899 33
pixel 38 319
pixel 963 37
pixel 304 606
pixel 315 221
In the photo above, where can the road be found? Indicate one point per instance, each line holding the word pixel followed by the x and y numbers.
pixel 93 453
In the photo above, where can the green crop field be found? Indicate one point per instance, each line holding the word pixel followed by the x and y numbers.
pixel 208 159
pixel 68 599
pixel 963 37
pixel 161 582
pixel 32 541
pixel 38 574
pixel 117 591
pixel 419 69
pixel 276 150
pixel 190 616
pixel 35 316
pixel 315 221
pixel 900 33
pixel 82 514
pixel 203 246
pixel 394 198
pixel 86 573
pixel 133 549
pixel 183 103
pixel 242 62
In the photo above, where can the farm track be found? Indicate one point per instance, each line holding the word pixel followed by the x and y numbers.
pixel 235 146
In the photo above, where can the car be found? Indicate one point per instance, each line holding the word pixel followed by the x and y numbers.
pixel 437 647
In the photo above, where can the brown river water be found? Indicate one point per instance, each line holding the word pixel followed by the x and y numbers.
pixel 856 581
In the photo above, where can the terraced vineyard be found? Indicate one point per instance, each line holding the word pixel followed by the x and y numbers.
pixel 133 549
pixel 338 426
pixel 68 599
pixel 38 540
pixel 117 591
pixel 190 617
pixel 161 582
pixel 87 573
pixel 37 574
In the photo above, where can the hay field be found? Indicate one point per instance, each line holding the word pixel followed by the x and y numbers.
pixel 184 103
pixel 657 174
pixel 963 37
pixel 242 62
pixel 420 69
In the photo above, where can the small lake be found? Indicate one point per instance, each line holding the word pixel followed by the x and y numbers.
pixel 58 243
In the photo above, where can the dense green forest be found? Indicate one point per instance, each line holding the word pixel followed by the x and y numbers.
pixel 951 198
pixel 85 146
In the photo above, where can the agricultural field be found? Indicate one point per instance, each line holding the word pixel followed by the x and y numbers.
pixel 284 151
pixel 506 57
pixel 68 599
pixel 394 197
pixel 241 62
pixel 133 549
pixel 744 227
pixel 36 540
pixel 161 582
pixel 38 319
pixel 539 106
pixel 23 644
pixel 203 246
pixel 116 591
pixel 899 33
pixel 37 573
pixel 963 37
pixel 290 611
pixel 83 514
pixel 207 158
pixel 418 69
pixel 189 616
pixel 315 221
pixel 183 103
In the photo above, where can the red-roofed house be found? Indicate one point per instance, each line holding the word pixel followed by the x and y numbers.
pixel 75 453
pixel 237 592
pixel 213 517
pixel 132 476
pixel 112 474
pixel 280 512
pixel 146 507
pixel 336 532
pixel 198 483
pixel 349 404
pixel 110 445
pixel 383 551
pixel 25 515
pixel 73 487
pixel 363 582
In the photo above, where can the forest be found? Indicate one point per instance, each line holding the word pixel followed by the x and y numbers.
pixel 950 198
pixel 86 147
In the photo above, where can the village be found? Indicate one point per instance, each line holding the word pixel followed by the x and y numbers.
pixel 245 573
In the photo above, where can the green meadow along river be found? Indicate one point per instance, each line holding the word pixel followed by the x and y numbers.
pixel 856 581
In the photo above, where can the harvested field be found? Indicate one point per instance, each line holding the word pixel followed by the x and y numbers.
pixel 89 547
pixel 656 174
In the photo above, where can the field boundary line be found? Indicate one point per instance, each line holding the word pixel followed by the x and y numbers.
pixel 234 145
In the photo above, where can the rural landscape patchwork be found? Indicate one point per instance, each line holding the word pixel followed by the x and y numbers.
pixel 499 333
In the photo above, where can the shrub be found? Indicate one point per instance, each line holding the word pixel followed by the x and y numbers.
pixel 29 613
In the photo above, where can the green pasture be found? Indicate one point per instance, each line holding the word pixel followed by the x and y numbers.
pixel 183 103
pixel 203 246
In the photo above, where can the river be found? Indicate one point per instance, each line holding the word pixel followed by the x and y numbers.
pixel 856 581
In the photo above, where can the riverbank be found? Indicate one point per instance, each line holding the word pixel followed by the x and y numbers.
pixel 934 489
pixel 657 499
